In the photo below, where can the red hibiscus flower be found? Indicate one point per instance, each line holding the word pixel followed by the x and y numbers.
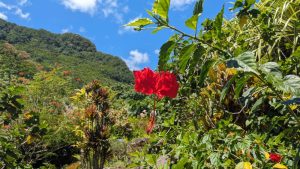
pixel 145 81
pixel 163 84
pixel 275 157
pixel 167 85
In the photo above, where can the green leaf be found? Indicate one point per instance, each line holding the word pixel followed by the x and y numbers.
pixel 161 8
pixel 219 22
pixel 158 29
pixel 198 9
pixel 292 84
pixel 247 62
pixel 240 83
pixel 140 22
pixel 273 75
pixel 204 71
pixel 214 158
pixel 249 3
pixel 185 56
pixel 271 68
pixel 192 22
pixel 181 163
pixel 227 87
pixel 197 58
pixel 238 4
pixel 256 105
pixel 164 54
pixel 150 159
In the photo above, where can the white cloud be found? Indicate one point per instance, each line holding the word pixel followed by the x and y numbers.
pixel 3 16
pixel 67 29
pixel 125 9
pixel 15 9
pixel 21 14
pixel 109 8
pixel 3 5
pixel 81 29
pixel 179 4
pixel 22 2
pixel 156 51
pixel 135 59
pixel 87 6
pixel 114 9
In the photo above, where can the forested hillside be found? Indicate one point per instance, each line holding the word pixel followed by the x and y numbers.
pixel 70 51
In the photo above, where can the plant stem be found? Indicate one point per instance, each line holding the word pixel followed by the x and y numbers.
pixel 199 40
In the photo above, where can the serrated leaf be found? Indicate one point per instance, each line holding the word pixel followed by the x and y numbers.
pixel 273 68
pixel 219 22
pixel 204 71
pixel 192 22
pixel 164 54
pixel 196 58
pixel 292 84
pixel 247 62
pixel 185 56
pixel 198 9
pixel 161 8
pixel 140 22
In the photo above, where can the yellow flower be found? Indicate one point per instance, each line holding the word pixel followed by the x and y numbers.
pixel 243 165
pixel 267 155
pixel 27 115
pixel 293 107
pixel 280 166
pixel 231 71
pixel 29 139
pixel 247 165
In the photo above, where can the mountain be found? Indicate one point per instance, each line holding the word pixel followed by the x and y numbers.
pixel 71 52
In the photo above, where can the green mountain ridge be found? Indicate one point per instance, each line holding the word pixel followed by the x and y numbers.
pixel 70 51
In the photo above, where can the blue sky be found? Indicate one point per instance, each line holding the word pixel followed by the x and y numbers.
pixel 101 21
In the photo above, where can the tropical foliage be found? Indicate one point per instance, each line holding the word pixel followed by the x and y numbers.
pixel 239 90
pixel 226 94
